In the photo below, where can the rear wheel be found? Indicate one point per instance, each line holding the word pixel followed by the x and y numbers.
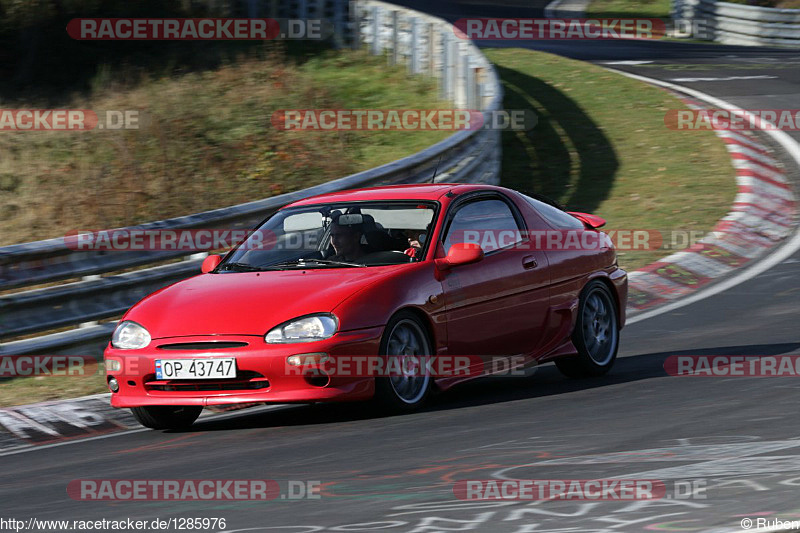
pixel 166 416
pixel 405 338
pixel 596 334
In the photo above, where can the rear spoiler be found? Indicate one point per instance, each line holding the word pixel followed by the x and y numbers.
pixel 592 221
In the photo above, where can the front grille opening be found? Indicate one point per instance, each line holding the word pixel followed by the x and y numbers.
pixel 245 381
pixel 210 345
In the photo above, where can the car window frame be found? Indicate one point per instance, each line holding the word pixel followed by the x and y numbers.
pixel 435 204
pixel 477 196
pixel 546 218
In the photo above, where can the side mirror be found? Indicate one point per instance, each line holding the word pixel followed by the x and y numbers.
pixel 210 263
pixel 463 253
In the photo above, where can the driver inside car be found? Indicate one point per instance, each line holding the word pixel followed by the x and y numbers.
pixel 416 240
pixel 346 240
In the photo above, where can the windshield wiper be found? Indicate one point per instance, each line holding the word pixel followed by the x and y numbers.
pixel 329 262
pixel 304 262
pixel 240 267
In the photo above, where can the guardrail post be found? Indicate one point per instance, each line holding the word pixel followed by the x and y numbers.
pixel 84 325
pixel 445 66
pixel 376 45
pixel 478 87
pixel 461 68
pixel 469 84
pixel 339 32
pixel 431 49
pixel 394 58
pixel 355 24
pixel 253 8
pixel 415 46
pixel 452 69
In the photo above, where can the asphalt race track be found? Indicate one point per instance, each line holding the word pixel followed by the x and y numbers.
pixel 736 441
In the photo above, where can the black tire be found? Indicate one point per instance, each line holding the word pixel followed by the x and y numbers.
pixel 166 416
pixel 597 341
pixel 390 393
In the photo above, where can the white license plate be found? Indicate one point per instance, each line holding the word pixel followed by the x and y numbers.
pixel 216 368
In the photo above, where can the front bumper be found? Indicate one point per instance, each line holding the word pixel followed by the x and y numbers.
pixel 262 372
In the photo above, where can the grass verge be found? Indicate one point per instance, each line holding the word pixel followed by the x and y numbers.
pixel 206 141
pixel 601 146
pixel 34 389
pixel 639 8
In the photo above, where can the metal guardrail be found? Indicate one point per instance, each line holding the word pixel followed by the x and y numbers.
pixel 740 24
pixel 426 44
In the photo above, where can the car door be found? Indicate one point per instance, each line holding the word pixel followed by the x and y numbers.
pixel 497 306
pixel 570 264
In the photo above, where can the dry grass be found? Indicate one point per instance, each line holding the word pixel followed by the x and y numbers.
pixel 206 141
pixel 27 390
pixel 629 8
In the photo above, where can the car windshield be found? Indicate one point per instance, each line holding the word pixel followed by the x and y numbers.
pixel 336 235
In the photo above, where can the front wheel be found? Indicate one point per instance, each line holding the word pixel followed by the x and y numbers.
pixel 596 334
pixel 405 339
pixel 166 416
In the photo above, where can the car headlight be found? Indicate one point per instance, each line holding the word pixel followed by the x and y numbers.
pixel 130 336
pixel 305 329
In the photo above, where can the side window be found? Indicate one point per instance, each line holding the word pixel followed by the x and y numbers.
pixel 557 218
pixel 489 223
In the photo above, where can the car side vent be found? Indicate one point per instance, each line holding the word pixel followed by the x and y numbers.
pixel 202 345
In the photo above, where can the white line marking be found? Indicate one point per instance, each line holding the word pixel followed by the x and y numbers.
pixel 752 154
pixel 750 141
pixel 32 447
pixel 729 78
pixel 221 416
pixel 629 62
pixel 786 250
pixel 574 8
pixel 550 9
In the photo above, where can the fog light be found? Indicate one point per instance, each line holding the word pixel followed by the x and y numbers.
pixel 307 359
pixel 113 385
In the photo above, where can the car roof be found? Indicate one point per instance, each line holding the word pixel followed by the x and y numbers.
pixel 422 191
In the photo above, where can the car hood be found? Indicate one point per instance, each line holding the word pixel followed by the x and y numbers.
pixel 248 303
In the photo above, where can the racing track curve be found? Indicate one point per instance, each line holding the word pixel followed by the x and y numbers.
pixel 741 437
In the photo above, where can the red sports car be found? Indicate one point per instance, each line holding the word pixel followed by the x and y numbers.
pixel 320 300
